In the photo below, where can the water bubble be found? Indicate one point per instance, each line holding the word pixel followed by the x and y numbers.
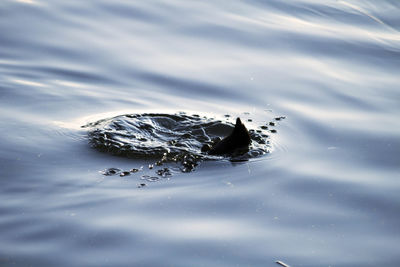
pixel 125 173
pixel 164 172
pixel 152 179
pixel 111 171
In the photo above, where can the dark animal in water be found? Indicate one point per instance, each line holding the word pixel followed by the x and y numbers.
pixel 238 140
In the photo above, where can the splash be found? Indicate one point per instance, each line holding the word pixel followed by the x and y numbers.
pixel 169 138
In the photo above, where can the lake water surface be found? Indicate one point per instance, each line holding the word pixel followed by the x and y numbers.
pixel 327 193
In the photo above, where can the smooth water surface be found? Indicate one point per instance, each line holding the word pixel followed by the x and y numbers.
pixel 325 194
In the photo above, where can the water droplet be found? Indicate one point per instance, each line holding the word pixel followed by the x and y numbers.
pixel 111 171
pixel 125 173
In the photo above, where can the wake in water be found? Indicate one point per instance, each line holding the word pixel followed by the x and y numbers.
pixel 177 138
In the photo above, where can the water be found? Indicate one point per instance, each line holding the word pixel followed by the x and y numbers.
pixel 326 194
pixel 177 137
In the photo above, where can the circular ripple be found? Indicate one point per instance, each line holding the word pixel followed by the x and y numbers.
pixel 166 136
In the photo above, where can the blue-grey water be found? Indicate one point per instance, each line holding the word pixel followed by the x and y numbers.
pixel 327 194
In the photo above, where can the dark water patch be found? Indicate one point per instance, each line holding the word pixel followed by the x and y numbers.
pixel 168 138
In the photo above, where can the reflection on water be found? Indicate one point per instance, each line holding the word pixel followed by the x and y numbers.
pixel 325 195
